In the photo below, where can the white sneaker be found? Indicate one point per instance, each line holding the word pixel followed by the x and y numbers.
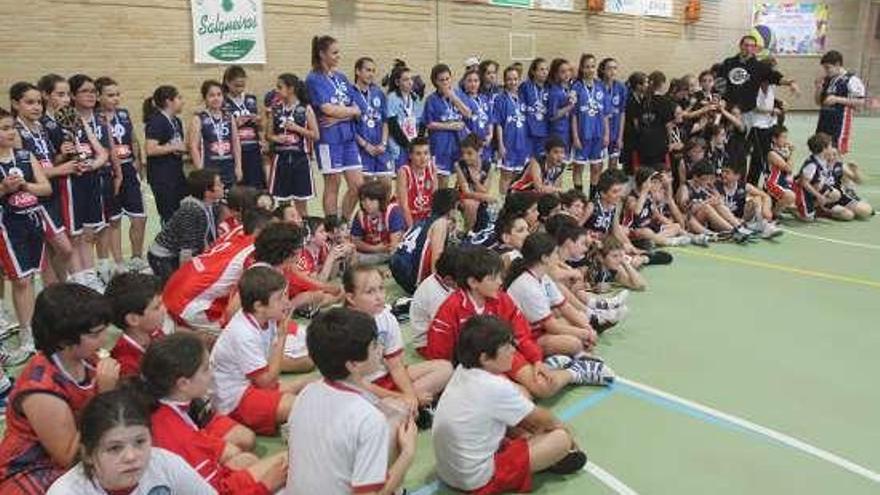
pixel 557 361
pixel 7 320
pixel 770 231
pixel 26 340
pixel 138 265
pixel 104 271
pixel 608 302
pixel 590 372
pixel 90 279
pixel 679 241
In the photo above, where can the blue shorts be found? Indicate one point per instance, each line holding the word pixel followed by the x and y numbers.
pixel 109 201
pixel 335 158
pixel 591 151
pixel 252 167
pixel 445 163
pixel 290 176
pixel 21 243
pixel 377 166
pixel 130 200
pixel 53 224
pixel 82 203
pixel 225 169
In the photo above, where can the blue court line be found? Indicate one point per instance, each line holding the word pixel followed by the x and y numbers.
pixel 567 414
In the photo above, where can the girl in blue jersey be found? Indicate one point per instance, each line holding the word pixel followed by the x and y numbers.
pixel 292 129
pixel 337 151
pixel 534 94
pixel 84 210
pixel 21 223
pixel 164 147
pixel 615 107
pixel 561 102
pixel 590 123
pixel 56 95
pixel 405 115
pixel 27 108
pixel 371 128
pixel 243 108
pixel 128 201
pixel 214 137
pixel 510 124
pixel 445 116
pixel 480 122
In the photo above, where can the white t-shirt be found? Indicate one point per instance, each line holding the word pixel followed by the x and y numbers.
pixel 389 338
pixel 340 441
pixel 167 473
pixel 536 297
pixel 762 116
pixel 426 300
pixel 471 420
pixel 241 352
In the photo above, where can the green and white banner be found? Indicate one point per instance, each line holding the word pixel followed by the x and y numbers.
pixel 228 32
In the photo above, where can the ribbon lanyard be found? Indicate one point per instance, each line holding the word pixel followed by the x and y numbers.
pixel 209 215
pixel 408 105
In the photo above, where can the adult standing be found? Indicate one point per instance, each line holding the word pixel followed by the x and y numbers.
pixel 337 150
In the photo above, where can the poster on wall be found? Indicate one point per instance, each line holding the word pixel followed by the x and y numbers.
pixel 658 8
pixel 555 4
pixel 512 3
pixel 228 32
pixel 790 28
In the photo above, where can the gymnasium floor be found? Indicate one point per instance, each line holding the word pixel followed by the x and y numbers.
pixel 742 369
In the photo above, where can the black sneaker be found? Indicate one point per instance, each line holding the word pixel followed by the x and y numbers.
pixel 659 258
pixel 400 309
pixel 307 312
pixel 573 462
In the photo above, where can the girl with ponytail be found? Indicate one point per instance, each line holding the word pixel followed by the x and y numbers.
pixel 176 376
pixel 164 148
pixel 559 328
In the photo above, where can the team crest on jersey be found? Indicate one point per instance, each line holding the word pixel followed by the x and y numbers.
pixel 738 76
pixel 377 102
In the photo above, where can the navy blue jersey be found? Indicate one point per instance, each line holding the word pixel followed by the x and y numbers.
pixel 245 106
pixel 38 142
pixel 164 130
pixel 697 193
pixel 602 218
pixel 84 146
pixel 643 217
pixel 469 177
pixel 20 164
pixel 734 198
pixel 53 130
pixel 281 114
pixel 121 134
pixel 718 157
pixel 216 137
pixel 835 120
pixel 817 173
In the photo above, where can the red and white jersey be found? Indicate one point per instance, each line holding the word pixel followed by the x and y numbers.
pixel 196 295
pixel 420 190
pixel 228 228
pixel 390 339
pixel 310 259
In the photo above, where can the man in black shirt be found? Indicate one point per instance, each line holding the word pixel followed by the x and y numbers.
pixel 744 73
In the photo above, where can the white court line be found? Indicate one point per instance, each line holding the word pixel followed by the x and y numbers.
pixel 831 240
pixel 608 479
pixel 761 430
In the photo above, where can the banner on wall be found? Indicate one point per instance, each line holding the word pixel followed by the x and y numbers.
pixel 790 28
pixel 228 32
pixel 555 4
pixel 659 8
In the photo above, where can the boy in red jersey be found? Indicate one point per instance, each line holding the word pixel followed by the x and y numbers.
pixel 416 183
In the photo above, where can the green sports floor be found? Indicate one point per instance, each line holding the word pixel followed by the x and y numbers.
pixel 742 369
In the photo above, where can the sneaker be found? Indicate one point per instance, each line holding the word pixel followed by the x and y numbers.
pixel 400 309
pixel 603 319
pixel 13 357
pixel 7 319
pixel 26 341
pixel 557 361
pixel 659 258
pixel 609 302
pixel 90 279
pixel 681 240
pixel 770 231
pixel 138 265
pixel 701 240
pixel 588 372
pixel 104 271
pixel 573 462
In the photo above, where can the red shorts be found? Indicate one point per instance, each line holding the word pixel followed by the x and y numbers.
pixel 258 409
pixel 239 482
pixel 387 383
pixel 512 469
pixel 220 426
pixel 519 361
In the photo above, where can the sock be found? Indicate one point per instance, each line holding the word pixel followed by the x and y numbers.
pixel 26 337
pixel 5 382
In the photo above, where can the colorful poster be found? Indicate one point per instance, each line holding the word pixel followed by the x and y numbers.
pixel 790 28
pixel 629 7
pixel 512 3
pixel 555 4
pixel 228 32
